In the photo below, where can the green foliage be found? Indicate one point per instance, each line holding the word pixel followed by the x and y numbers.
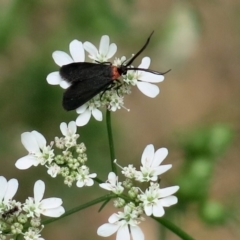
pixel 202 149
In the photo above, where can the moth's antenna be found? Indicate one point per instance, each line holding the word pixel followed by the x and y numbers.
pixel 149 70
pixel 140 51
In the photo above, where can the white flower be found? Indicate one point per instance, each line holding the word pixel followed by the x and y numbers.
pixel 7 190
pixel 119 61
pixel 124 223
pixel 154 199
pixel 84 178
pixel 144 80
pixel 61 58
pixel 69 131
pixel 129 171
pixel 53 170
pixel 35 206
pixel 112 184
pixel 86 111
pixel 39 152
pixel 151 169
pixel 33 234
pixel 105 51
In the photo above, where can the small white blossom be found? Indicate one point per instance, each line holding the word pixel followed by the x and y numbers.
pixel 84 178
pixel 59 142
pixel 53 170
pixel 105 52
pixel 87 110
pixel 151 169
pixel 154 199
pixel 61 58
pixel 119 61
pixel 129 171
pixel 39 152
pixel 143 79
pixel 112 184
pixel 124 223
pixel 69 131
pixel 33 234
pixel 36 206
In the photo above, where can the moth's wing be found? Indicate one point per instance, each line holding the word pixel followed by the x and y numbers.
pixel 80 92
pixel 82 71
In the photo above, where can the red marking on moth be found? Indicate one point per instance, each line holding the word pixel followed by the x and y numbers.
pixel 115 73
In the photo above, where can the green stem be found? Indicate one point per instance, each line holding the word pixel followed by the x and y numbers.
pixel 110 140
pixel 179 232
pixel 79 208
pixel 98 180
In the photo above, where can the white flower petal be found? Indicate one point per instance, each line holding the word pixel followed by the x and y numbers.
pixel 12 187
pixel 77 51
pixel 26 162
pixel 40 139
pixel 54 212
pixel 113 218
pixel 162 169
pixel 97 114
pixel 72 127
pixel 145 63
pixel 80 183
pixel 39 189
pixel 164 192
pixel 148 155
pixel 137 233
pixel 123 233
pixel 112 178
pixel 107 229
pixel 148 210
pixel 29 142
pixel 54 78
pixel 112 50
pixel 90 48
pixel 150 77
pixel 64 84
pixel 159 156
pixel 3 187
pixel 84 118
pixel 63 128
pixel 92 175
pixel 168 201
pixel 61 58
pixel 158 210
pixel 106 186
pixel 51 203
pixel 82 108
pixel 89 182
pixel 148 89
pixel 104 45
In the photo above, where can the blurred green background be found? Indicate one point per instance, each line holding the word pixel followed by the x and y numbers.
pixel 196 115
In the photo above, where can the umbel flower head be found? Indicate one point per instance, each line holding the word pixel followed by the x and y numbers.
pixel 89 88
pixel 24 219
pixel 136 201
pixel 64 156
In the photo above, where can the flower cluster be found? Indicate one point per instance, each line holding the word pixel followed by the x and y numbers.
pixel 67 159
pixel 24 219
pixel 137 202
pixel 113 98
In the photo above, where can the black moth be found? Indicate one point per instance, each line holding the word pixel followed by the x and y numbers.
pixel 89 79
